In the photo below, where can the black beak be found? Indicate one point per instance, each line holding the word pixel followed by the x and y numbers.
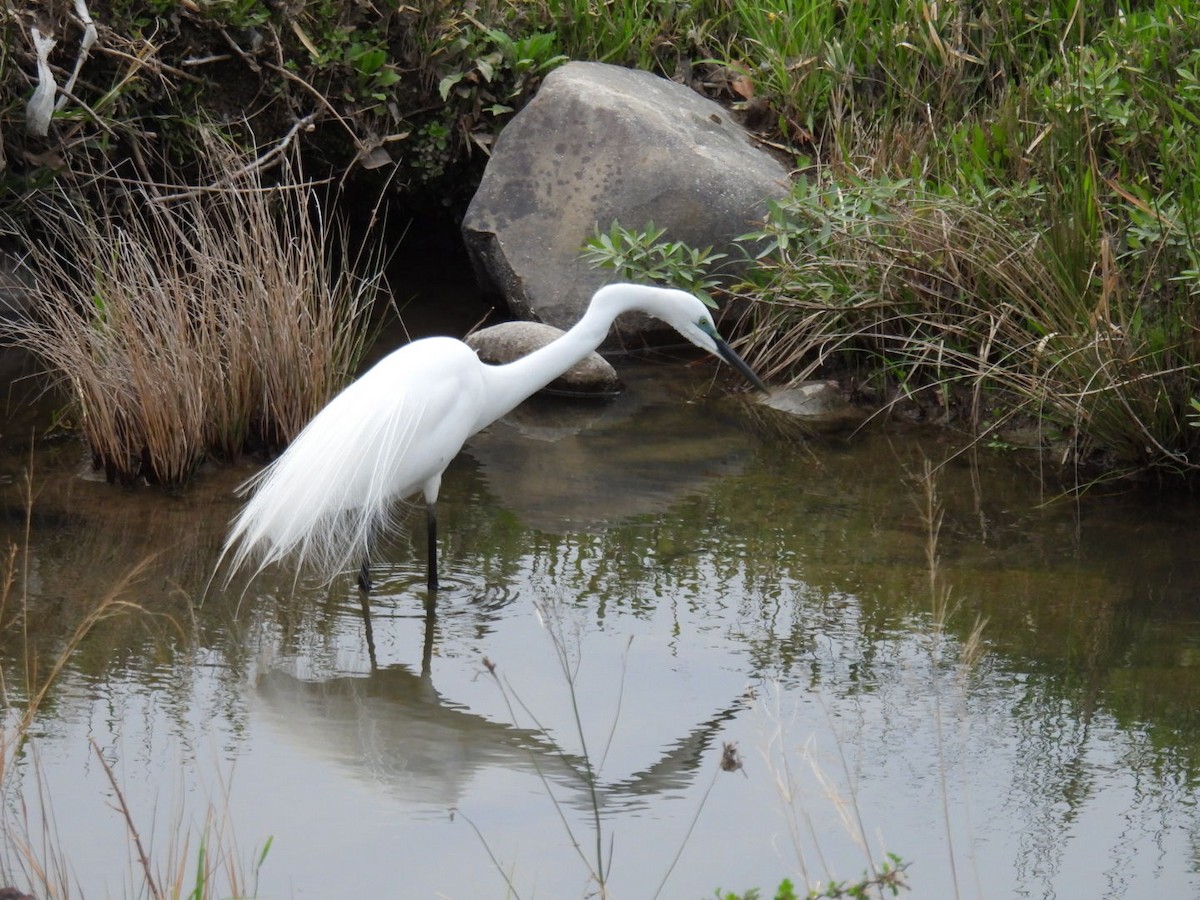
pixel 738 363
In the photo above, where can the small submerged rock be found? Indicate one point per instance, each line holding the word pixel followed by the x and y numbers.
pixel 816 402
pixel 592 376
pixel 808 398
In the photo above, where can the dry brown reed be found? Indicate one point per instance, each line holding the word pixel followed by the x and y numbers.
pixel 196 325
pixel 980 320
pixel 926 282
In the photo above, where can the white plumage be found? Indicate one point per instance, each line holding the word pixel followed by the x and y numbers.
pixel 392 433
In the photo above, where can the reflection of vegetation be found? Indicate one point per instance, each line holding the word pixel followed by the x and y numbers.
pixel 33 671
pixel 793 550
pixel 796 549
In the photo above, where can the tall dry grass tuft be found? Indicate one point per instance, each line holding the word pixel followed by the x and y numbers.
pixel 933 286
pixel 982 320
pixel 204 323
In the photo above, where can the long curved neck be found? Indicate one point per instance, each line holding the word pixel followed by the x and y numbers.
pixel 510 383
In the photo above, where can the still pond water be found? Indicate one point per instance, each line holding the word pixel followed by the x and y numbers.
pixel 629 586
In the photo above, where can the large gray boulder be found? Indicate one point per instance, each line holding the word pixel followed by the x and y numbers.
pixel 601 143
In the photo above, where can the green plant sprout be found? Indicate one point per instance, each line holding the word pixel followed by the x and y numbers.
pixel 644 256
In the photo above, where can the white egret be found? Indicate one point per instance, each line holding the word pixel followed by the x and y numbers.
pixel 392 433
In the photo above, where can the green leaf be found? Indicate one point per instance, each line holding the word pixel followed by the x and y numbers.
pixel 446 85
pixel 387 77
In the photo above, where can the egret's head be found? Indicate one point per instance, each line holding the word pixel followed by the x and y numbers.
pixel 689 316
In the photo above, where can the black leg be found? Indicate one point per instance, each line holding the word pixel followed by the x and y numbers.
pixel 367 629
pixel 431 533
pixel 364 595
pixel 364 575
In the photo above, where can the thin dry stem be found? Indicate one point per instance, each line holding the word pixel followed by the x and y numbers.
pixel 123 808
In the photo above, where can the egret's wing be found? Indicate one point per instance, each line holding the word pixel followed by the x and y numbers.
pixel 380 440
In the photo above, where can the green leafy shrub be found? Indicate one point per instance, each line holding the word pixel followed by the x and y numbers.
pixel 644 256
